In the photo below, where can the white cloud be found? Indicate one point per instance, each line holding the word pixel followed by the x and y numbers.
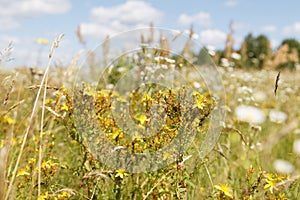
pixel 110 20
pixel 231 3
pixel 294 29
pixel 21 8
pixel 8 23
pixel 213 37
pixel 13 11
pixel 269 28
pixel 201 19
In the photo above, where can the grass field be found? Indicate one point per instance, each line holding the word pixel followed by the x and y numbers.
pixel 44 156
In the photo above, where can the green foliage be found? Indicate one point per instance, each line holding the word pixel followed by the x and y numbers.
pixel 257 50
pixel 291 65
pixel 292 43
pixel 239 167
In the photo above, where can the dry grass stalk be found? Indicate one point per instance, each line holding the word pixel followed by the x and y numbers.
pixel 79 35
pixel 41 136
pixel 55 44
pixel 9 92
pixel 4 153
pixel 32 116
pixel 11 108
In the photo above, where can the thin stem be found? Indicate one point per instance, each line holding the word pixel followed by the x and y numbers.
pixel 41 137
pixel 33 112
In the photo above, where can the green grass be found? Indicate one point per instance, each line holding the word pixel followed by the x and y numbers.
pixel 239 167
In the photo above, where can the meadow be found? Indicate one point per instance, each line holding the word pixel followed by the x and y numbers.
pixel 45 155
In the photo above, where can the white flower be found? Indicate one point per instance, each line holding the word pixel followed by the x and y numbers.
pixel 109 86
pixel 250 114
pixel 122 69
pixel 225 62
pixel 296 147
pixel 277 116
pixel 236 56
pixel 283 166
pixel 244 89
pixel 196 84
pixel 297 131
pixel 169 60
pixel 211 50
pixel 259 96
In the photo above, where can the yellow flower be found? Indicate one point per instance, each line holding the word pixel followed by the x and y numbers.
pixel 142 119
pixel 201 102
pixel 167 156
pixel 64 107
pixel 45 196
pixel 118 134
pixel 62 196
pixel 48 165
pixel 23 172
pixel 270 182
pixel 156 140
pixel 225 189
pixel 147 98
pixel 121 173
pixel 8 120
pixel 32 161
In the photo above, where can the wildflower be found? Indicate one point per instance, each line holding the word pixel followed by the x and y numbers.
pixel 31 161
pixel 169 60
pixel 49 167
pixel 225 62
pixel 167 156
pixel 45 196
pixel 62 196
pixel 296 147
pixel 297 131
pixel 142 119
pixel 225 189
pixel 270 183
pixel 211 50
pixel 283 166
pixel 259 96
pixel 244 90
pixel 272 180
pixel 8 120
pixel 250 114
pixel 23 172
pixel 65 107
pixel 196 84
pixel 121 173
pixel 201 101
pixel 236 56
pixel 277 116
pixel 147 98
pixel 117 134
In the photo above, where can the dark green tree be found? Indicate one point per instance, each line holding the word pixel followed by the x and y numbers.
pixel 258 49
pixel 292 43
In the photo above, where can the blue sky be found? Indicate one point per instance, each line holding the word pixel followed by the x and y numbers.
pixel 23 21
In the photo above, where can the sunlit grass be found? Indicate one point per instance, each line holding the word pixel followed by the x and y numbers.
pixel 256 156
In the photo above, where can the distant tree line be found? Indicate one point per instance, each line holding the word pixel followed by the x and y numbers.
pixel 257 53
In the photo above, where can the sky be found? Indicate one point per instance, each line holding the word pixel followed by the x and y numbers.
pixel 22 22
